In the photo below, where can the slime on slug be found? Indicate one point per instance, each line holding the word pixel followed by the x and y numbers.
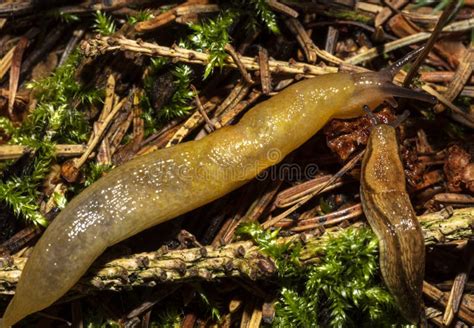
pixel 149 189
pixel 388 209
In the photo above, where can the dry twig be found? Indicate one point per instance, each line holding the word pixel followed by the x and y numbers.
pixel 372 53
pixel 241 259
pixel 16 151
pixel 101 45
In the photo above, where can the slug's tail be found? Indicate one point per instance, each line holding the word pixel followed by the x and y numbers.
pixel 11 315
pixel 3 324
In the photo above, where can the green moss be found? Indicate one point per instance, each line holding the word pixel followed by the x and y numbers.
pixel 140 16
pixel 343 289
pixel 211 36
pixel 264 14
pixel 56 119
pixel 57 115
pixel 209 304
pixel 104 24
pixel 180 103
pixel 346 282
pixel 93 171
pixel 349 15
pixel 169 317
pixel 295 310
pixel 68 18
pixel 21 193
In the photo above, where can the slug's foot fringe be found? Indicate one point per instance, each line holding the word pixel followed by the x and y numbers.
pixel 12 315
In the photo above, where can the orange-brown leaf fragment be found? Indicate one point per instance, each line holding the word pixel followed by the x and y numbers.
pixel 344 137
pixel 456 162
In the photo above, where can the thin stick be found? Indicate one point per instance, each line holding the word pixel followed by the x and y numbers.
pixel 457 289
pixel 296 193
pixel 265 75
pixel 467 116
pixel 6 62
pixel 305 199
pixel 460 78
pixel 236 57
pixel 16 151
pixel 447 13
pixel 464 25
pixel 190 124
pixel 441 298
pixel 15 72
pixel 95 140
pixel 71 45
pixel 201 110
pixel 452 198
pixel 230 114
pixel 329 219
pixel 303 39
pixel 94 47
pixel 282 8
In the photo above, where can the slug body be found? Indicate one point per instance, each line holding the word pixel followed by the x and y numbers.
pixel 166 183
pixel 390 214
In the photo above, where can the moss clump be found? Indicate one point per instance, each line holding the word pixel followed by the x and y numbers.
pixel 343 289
pixel 56 119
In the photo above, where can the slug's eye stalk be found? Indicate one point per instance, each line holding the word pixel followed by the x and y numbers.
pixel 393 90
pixel 400 119
pixel 373 88
pixel 373 119
pixel 393 69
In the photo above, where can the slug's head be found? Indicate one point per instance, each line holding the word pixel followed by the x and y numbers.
pixel 373 88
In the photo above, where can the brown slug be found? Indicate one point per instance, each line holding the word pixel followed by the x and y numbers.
pixel 388 209
pixel 161 185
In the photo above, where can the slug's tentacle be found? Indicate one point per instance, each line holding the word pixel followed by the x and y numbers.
pixel 398 91
pixel 386 75
pixel 400 119
pixel 373 88
pixel 393 69
pixel 373 119
pixel 391 102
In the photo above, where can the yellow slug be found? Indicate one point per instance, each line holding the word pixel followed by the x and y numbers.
pixel 391 216
pixel 166 183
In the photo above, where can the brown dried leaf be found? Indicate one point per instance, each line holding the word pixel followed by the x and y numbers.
pixel 45 67
pixel 456 163
pixel 414 168
pixel 15 72
pixel 52 179
pixel 69 171
pixel 448 49
pixel 344 137
pixel 468 177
